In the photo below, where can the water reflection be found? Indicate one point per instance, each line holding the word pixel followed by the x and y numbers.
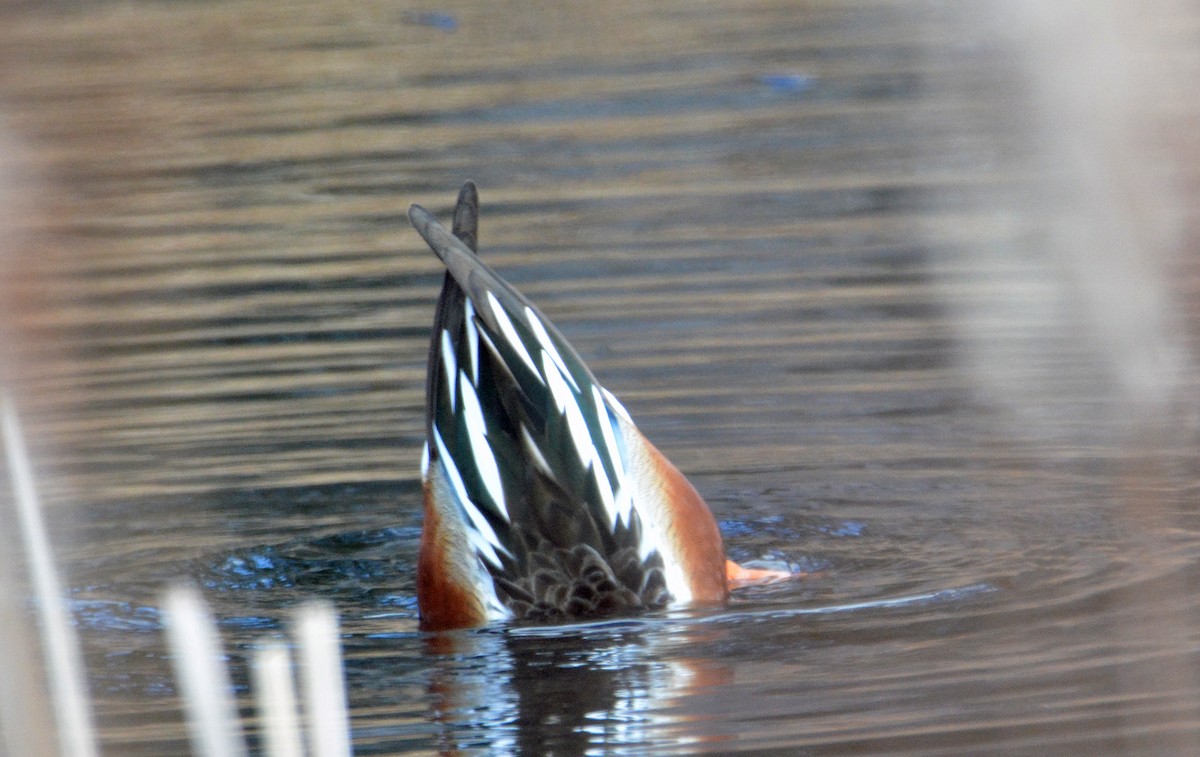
pixel 569 690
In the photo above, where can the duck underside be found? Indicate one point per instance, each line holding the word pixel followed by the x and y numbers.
pixel 557 578
pixel 552 562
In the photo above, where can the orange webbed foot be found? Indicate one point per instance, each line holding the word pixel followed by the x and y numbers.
pixel 739 576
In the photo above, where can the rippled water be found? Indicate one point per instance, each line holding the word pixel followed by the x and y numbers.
pixel 760 224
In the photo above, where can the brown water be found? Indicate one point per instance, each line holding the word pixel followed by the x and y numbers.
pixel 222 319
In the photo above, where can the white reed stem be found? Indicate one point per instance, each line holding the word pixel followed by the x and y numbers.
pixel 68 682
pixel 204 682
pixel 324 686
pixel 275 693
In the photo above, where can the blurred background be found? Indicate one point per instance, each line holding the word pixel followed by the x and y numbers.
pixel 907 289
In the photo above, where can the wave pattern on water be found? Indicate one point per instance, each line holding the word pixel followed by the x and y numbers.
pixel 223 323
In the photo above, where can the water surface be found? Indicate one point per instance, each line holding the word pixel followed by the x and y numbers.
pixel 727 209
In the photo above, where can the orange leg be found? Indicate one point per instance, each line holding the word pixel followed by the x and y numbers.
pixel 739 576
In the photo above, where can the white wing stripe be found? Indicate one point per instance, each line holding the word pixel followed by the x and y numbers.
pixel 450 365
pixel 616 405
pixel 610 439
pixel 483 539
pixel 565 400
pixel 510 333
pixel 532 450
pixel 621 499
pixel 605 488
pixel 485 461
pixel 472 339
pixel 548 345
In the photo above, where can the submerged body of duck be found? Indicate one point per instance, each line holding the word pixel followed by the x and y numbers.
pixel 542 498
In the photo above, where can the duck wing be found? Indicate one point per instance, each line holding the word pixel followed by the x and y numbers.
pixel 527 451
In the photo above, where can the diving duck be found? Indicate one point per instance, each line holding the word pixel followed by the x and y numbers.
pixel 542 499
